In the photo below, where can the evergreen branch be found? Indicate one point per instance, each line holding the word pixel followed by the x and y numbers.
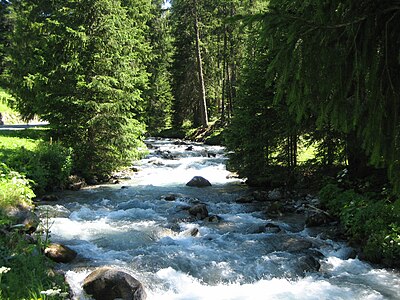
pixel 275 11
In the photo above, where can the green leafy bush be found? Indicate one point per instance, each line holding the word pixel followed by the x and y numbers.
pixel 47 165
pixel 372 223
pixel 14 189
pixel 25 273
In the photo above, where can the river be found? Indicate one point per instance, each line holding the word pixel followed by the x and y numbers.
pixel 135 227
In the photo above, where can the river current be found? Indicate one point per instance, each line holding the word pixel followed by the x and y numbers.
pixel 135 226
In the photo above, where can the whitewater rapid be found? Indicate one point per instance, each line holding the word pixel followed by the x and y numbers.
pixel 133 227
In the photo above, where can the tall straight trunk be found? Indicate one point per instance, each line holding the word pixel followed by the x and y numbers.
pixel 203 102
pixel 224 85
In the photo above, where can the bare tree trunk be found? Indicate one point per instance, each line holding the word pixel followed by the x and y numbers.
pixel 203 102
pixel 224 85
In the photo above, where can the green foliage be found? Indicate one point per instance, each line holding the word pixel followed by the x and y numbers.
pixel 221 50
pixel 46 165
pixel 81 66
pixel 343 69
pixel 260 129
pixel 28 272
pixel 3 30
pixel 15 189
pixel 370 222
pixel 185 81
pixel 158 96
pixel 114 143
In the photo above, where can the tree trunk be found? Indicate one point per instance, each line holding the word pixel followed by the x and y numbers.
pixel 203 102
pixel 224 85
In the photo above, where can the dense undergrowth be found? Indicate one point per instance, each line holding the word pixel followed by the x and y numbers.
pixel 46 164
pixel 370 220
pixel 30 166
pixel 24 272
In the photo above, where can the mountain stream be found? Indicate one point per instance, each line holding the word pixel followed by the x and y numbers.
pixel 143 227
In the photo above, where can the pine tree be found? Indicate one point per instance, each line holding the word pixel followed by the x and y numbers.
pixel 261 135
pixel 4 29
pixel 78 65
pixel 158 96
pixel 344 69
pixel 188 91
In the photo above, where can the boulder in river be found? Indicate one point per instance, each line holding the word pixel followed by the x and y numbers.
pixel 199 211
pixel 245 199
pixel 308 263
pixel 293 244
pixel 190 232
pixel 272 228
pixel 198 181
pixel 171 197
pixel 213 219
pixel 108 284
pixel 60 253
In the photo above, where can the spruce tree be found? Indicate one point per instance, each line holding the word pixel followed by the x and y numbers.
pixel 158 96
pixel 262 134
pixel 78 65
pixel 344 69
pixel 4 30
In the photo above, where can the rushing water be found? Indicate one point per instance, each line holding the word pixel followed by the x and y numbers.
pixel 133 227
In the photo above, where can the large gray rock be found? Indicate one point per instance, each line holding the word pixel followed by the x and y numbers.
pixel 293 244
pixel 60 253
pixel 198 181
pixel 108 284
pixel 199 211
pixel 308 263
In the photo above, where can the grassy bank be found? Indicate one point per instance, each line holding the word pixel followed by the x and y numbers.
pixel 31 153
pixel 30 165
pixel 25 273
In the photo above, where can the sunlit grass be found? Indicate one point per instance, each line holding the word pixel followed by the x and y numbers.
pixel 9 115
pixel 305 153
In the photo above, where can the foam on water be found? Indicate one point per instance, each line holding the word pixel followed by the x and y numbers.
pixel 184 287
pixel 177 257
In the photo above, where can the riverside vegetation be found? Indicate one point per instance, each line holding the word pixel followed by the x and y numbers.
pixel 21 249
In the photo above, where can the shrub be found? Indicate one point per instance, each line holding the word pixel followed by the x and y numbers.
pixel 372 223
pixel 47 165
pixel 26 271
pixel 14 189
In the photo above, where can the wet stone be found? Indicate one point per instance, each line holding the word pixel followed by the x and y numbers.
pixel 308 263
pixel 213 219
pixel 199 211
pixel 109 284
pixel 272 228
pixel 60 253
pixel 198 181
pixel 293 244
